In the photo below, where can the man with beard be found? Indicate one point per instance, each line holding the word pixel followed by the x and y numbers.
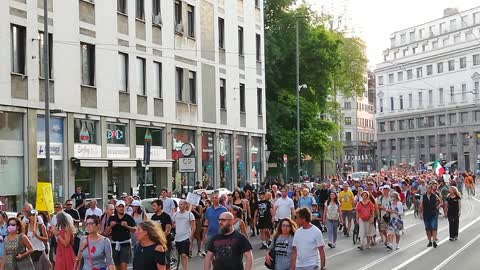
pixel 226 249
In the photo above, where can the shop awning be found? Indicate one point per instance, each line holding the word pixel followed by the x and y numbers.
pixel 429 163
pixel 93 163
pixel 124 163
pixel 450 163
pixel 160 164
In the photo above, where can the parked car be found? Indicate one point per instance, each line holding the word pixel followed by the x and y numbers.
pixel 147 205
pixel 221 191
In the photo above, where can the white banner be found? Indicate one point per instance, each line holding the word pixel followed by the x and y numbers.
pixel 87 150
pixel 156 153
pixel 56 150
pixel 118 151
pixel 187 165
pixel 193 198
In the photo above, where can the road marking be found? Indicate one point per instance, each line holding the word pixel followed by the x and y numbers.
pixel 412 244
pixel 378 238
pixel 405 263
pixel 456 253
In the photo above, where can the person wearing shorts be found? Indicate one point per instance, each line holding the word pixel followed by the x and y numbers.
pixel 184 222
pixel 346 199
pixel 120 228
pixel 265 214
pixel 429 212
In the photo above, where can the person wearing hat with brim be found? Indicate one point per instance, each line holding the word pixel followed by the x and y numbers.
pixel 121 225
pixel 383 201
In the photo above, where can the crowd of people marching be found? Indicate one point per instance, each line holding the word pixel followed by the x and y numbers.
pixel 290 220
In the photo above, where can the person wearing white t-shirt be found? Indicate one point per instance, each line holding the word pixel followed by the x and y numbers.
pixel 284 207
pixel 308 245
pixel 184 222
pixel 93 210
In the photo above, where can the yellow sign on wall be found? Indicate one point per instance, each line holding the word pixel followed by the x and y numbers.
pixel 44 197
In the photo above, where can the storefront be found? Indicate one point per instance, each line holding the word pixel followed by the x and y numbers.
pixel 256 150
pixel 241 148
pixel 57 164
pixel 119 172
pixel 88 152
pixel 157 169
pixel 11 161
pixel 181 181
pixel 225 159
pixel 208 159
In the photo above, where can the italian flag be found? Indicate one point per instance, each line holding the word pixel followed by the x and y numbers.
pixel 438 168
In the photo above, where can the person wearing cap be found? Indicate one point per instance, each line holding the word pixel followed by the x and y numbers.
pixel 265 215
pixel 383 201
pixel 93 210
pixel 121 226
pixel 346 198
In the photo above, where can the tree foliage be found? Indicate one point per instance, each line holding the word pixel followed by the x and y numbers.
pixel 329 63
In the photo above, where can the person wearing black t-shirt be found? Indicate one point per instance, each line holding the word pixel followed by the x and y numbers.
pixel 72 211
pixel 80 201
pixel 265 214
pixel 226 249
pixel 454 204
pixel 150 253
pixel 121 225
pixel 165 222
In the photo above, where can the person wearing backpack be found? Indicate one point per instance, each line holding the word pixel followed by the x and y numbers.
pixel 279 253
pixel 365 214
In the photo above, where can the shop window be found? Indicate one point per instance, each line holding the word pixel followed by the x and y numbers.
pixel 241 156
pixel 56 129
pixel 116 133
pixel 85 131
pixel 256 175
pixel 11 126
pixel 157 136
pixel 225 159
pixel 208 159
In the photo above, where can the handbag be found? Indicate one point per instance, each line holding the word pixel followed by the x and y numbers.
pixel 271 265
pixel 386 218
pixel 36 255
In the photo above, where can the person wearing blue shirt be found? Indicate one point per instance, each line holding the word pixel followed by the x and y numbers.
pixel 306 200
pixel 211 217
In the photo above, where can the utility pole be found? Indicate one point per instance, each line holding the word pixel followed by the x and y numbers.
pixel 297 89
pixel 46 69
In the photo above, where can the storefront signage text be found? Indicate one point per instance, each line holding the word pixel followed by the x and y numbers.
pixel 56 149
pixel 156 153
pixel 117 134
pixel 118 151
pixel 87 150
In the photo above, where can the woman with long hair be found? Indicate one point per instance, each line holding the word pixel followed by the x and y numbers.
pixel 282 246
pixel 150 250
pixel 64 233
pixel 253 202
pixel 95 249
pixel 37 234
pixel 138 215
pixel 239 201
pixel 395 224
pixel 454 208
pixel 238 223
pixel 17 247
pixel 332 217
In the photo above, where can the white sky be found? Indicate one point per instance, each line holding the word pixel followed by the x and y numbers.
pixel 375 20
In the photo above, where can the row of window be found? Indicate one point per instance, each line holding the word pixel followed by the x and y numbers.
pixel 360 107
pixel 440 68
pixel 362 122
pixel 431 121
pixel 430 141
pixel 87 52
pixel 362 137
pixel 452 98
pixel 178 14
pixel 437 29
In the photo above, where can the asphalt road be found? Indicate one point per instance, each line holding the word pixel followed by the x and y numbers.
pixel 413 253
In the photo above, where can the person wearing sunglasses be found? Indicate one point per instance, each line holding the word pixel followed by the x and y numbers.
pixel 37 234
pixel 279 253
pixel 17 247
pixel 72 211
pixel 95 249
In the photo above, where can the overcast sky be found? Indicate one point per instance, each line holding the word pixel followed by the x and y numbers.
pixel 375 20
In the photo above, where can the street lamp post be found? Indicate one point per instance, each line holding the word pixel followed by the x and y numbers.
pixel 298 88
pixel 47 88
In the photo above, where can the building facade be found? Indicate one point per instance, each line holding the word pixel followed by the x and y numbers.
pixel 358 133
pixel 428 94
pixel 188 71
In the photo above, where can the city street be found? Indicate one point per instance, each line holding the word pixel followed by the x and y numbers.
pixel 413 252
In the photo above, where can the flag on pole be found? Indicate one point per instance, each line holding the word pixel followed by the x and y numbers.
pixel 438 168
